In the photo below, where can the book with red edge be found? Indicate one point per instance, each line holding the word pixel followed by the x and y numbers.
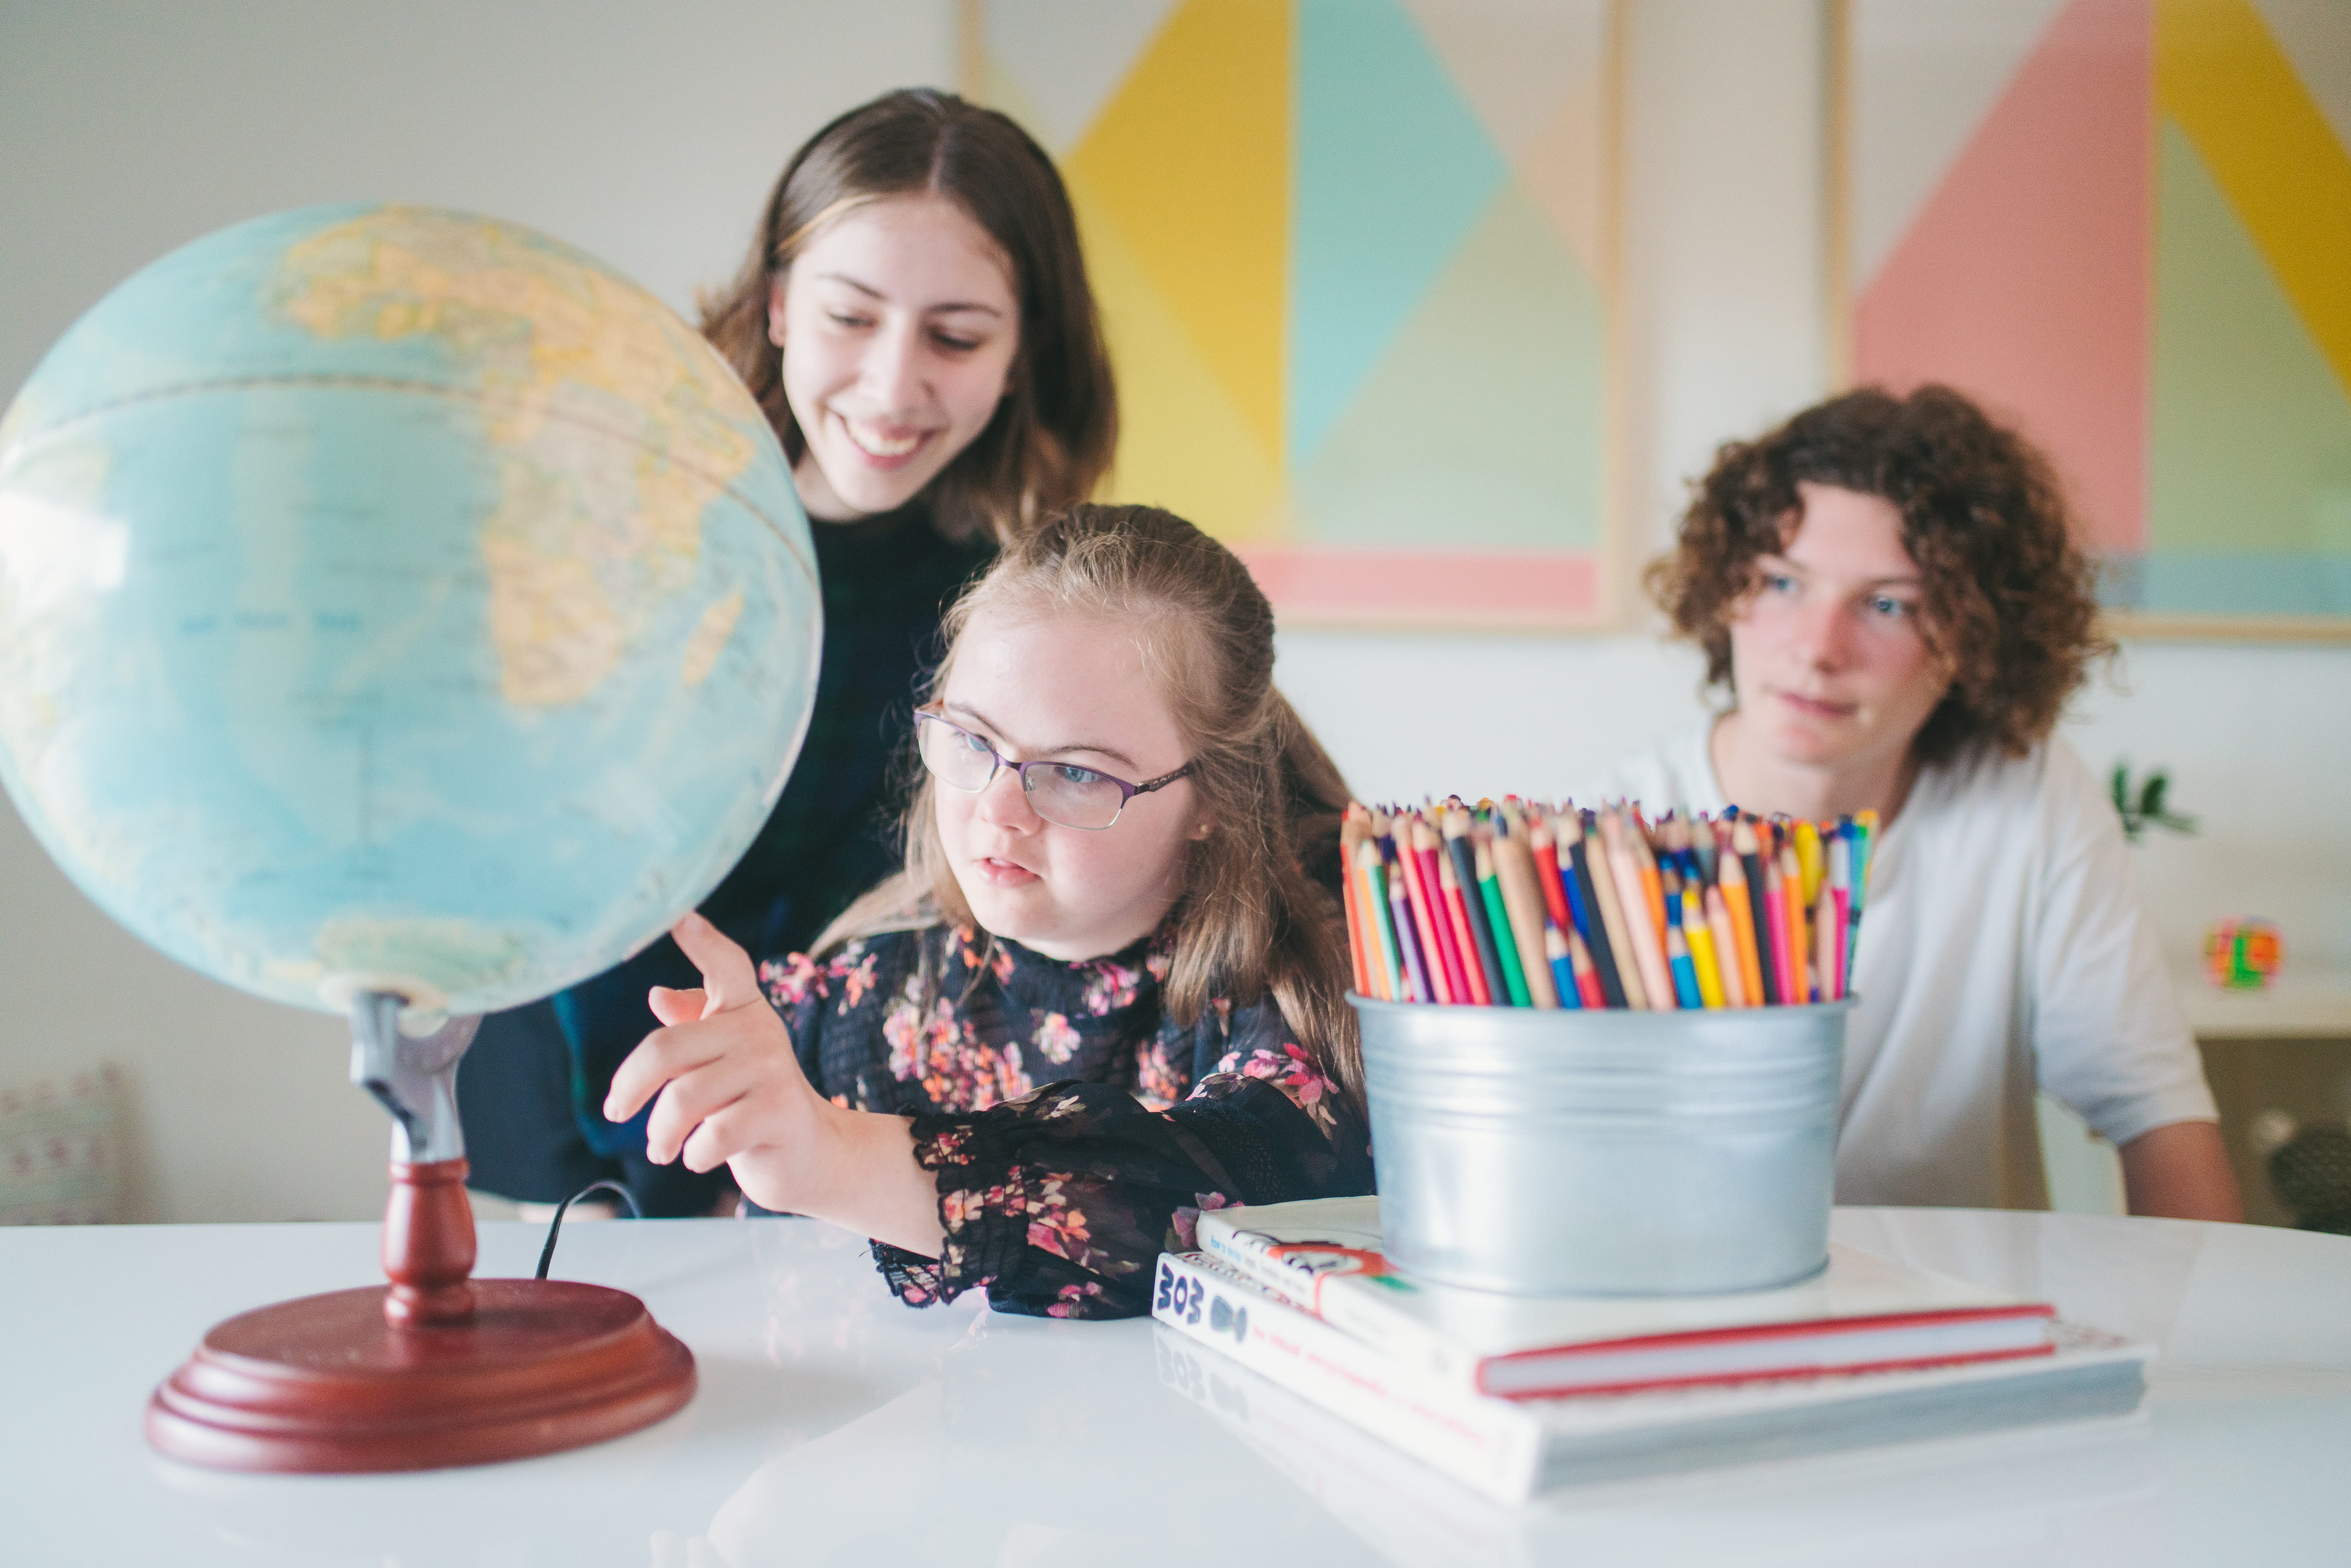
pixel 1865 1312
pixel 1514 1449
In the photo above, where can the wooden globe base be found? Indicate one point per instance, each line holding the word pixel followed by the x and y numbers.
pixel 432 1371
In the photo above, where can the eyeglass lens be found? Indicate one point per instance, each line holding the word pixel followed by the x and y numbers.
pixel 1062 793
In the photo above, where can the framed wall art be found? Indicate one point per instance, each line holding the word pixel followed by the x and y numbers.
pixel 1355 259
pixel 2124 225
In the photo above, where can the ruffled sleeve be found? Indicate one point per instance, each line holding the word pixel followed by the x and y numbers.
pixel 1059 1204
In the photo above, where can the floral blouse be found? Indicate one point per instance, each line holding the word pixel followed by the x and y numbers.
pixel 1076 1131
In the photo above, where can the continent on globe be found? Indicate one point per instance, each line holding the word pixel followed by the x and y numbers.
pixel 589 529
pixel 396 599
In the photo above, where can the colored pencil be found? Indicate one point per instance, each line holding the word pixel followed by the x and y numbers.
pixel 1792 886
pixel 1415 971
pixel 1584 901
pixel 1497 921
pixel 1737 903
pixel 1635 836
pixel 1836 906
pixel 1730 959
pixel 1562 968
pixel 1699 934
pixel 1428 928
pixel 1359 934
pixel 1456 911
pixel 1595 860
pixel 1425 860
pixel 1864 853
pixel 1534 905
pixel 1702 847
pixel 1685 970
pixel 1545 854
pixel 1781 984
pixel 1809 856
pixel 1744 844
pixel 1465 872
pixel 1588 978
pixel 1387 973
pixel 1648 944
pixel 1514 871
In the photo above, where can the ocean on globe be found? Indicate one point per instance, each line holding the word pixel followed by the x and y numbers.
pixel 396 599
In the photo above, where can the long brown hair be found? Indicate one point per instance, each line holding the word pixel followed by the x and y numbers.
pixel 1051 438
pixel 2010 597
pixel 1252 920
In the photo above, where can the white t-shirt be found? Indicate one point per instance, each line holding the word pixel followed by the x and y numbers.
pixel 2003 943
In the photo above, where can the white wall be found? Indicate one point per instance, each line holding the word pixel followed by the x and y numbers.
pixel 649 135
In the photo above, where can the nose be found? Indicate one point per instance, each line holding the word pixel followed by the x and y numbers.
pixel 1005 804
pixel 1823 633
pixel 893 372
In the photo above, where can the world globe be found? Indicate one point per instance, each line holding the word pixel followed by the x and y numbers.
pixel 394 600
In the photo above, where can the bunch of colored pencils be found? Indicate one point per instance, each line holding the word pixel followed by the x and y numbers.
pixel 1522 904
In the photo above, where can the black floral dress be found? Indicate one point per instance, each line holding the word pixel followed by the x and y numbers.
pixel 1075 1130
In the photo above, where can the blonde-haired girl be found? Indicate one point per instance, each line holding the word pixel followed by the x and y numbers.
pixel 1110 892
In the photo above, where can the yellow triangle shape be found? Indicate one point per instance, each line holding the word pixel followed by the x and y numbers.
pixel 1189 164
pixel 1183 443
pixel 2220 73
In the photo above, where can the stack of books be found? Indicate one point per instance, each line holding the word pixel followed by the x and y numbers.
pixel 1515 1395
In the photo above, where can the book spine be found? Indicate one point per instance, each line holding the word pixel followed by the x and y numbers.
pixel 1252 1254
pixel 1346 1302
pixel 1487 1444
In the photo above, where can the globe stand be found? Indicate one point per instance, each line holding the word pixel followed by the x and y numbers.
pixel 435 1368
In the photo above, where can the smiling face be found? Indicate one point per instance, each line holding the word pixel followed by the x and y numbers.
pixel 900 329
pixel 1828 651
pixel 1069 689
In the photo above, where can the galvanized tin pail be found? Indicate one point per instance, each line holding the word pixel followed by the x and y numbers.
pixel 1605 1153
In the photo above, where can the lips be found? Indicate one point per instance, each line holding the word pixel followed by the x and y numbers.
pixel 1001 872
pixel 882 446
pixel 1816 707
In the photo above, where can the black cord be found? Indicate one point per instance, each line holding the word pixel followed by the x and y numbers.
pixel 555 1226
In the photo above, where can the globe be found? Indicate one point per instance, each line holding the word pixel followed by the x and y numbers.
pixel 396 599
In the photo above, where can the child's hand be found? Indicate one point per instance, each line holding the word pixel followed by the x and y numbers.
pixel 731 1091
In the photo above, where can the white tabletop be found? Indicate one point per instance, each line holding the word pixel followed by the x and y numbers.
pixel 834 1425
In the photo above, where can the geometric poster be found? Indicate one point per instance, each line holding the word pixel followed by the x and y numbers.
pixel 1352 257
pixel 2125 227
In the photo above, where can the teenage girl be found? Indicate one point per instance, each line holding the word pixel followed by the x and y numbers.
pixel 1106 878
pixel 915 320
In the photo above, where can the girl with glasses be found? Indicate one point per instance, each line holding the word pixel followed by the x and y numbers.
pixel 915 320
pixel 1107 989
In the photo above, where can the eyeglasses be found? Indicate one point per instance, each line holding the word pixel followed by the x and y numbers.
pixel 1063 793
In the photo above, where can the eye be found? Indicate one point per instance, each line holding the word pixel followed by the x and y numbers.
pixel 1891 608
pixel 972 743
pixel 840 319
pixel 954 344
pixel 1074 776
pixel 1779 583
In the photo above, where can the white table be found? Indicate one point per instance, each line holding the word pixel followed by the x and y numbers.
pixel 833 1425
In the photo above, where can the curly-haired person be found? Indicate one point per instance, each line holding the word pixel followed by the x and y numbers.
pixel 1887 590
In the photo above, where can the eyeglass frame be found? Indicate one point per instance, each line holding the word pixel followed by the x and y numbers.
pixel 1127 792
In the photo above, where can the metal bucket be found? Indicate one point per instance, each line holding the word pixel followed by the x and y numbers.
pixel 1605 1153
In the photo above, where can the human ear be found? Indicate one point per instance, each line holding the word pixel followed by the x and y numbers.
pixel 775 310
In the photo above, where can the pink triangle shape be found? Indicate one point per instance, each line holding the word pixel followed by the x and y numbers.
pixel 2026 278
